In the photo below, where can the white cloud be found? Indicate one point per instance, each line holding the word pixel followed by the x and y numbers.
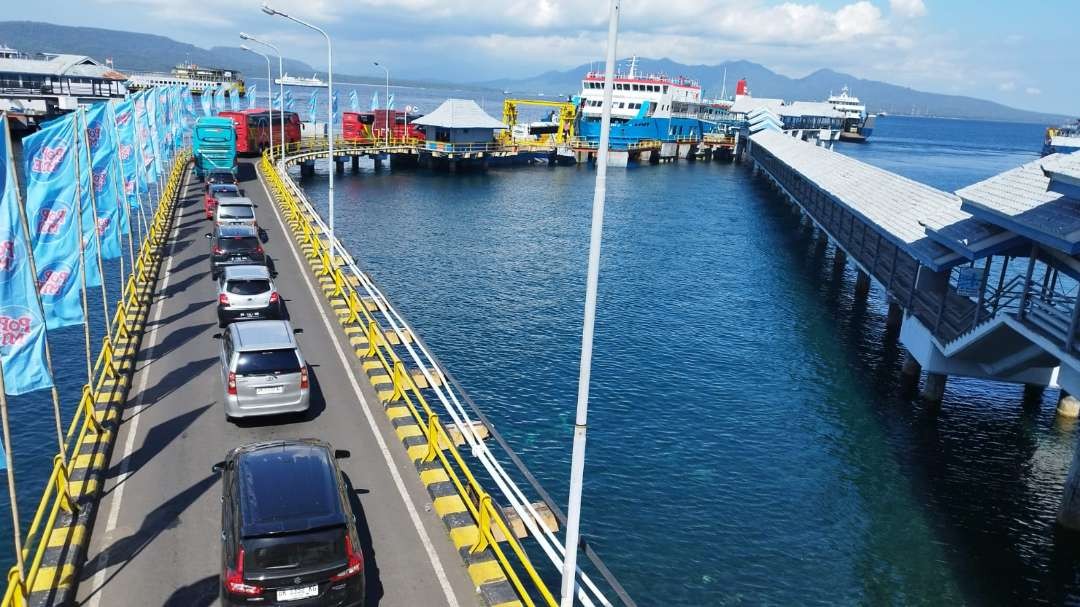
pixel 1033 91
pixel 908 9
pixel 1007 86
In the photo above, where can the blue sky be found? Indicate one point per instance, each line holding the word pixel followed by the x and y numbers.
pixel 1023 54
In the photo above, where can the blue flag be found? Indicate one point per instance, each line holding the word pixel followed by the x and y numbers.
pixel 52 213
pixel 354 100
pixel 311 105
pixel 390 102
pixel 86 207
pixel 333 106
pixel 234 100
pixel 276 103
pixel 153 135
pixel 251 93
pixel 219 99
pixel 144 147
pixel 375 101
pixel 127 153
pixel 105 180
pixel 189 104
pixel 22 328
pixel 205 99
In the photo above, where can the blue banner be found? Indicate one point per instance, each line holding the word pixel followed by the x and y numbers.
pixel 105 180
pixel 127 153
pixel 22 328
pixel 189 104
pixel 120 175
pixel 390 102
pixel 375 101
pixel 251 93
pixel 144 148
pixel 311 105
pixel 234 100
pixel 205 99
pixel 219 99
pixel 52 213
pixel 333 106
pixel 354 101
pixel 90 234
pixel 276 103
pixel 155 134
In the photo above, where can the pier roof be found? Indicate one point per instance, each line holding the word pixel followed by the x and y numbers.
pixel 60 65
pixel 1024 201
pixel 747 104
pixel 810 108
pixel 460 114
pixel 898 208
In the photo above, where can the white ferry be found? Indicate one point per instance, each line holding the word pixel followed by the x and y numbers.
pixel 857 124
pixel 190 75
pixel 297 81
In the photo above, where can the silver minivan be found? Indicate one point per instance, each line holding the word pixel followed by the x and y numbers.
pixel 232 211
pixel 246 292
pixel 262 370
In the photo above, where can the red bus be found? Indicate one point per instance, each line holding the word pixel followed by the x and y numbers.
pixel 252 129
pixel 364 126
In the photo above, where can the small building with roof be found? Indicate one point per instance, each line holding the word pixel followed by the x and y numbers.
pixel 459 122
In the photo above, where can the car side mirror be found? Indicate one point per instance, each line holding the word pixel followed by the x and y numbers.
pixel 218 467
pixel 209 235
pixel 297 331
pixel 342 454
pixel 216 336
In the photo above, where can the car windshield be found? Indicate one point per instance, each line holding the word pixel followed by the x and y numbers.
pixel 248 286
pixel 268 362
pixel 312 550
pixel 234 244
pixel 235 211
pixel 225 192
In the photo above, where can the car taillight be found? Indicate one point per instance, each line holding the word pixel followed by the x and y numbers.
pixel 356 562
pixel 223 299
pixel 234 579
pixel 274 297
pixel 232 383
pixel 303 377
pixel 218 250
pixel 258 249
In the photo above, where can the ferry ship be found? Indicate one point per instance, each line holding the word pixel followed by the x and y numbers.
pixel 296 81
pixel 1064 139
pixel 191 75
pixel 647 107
pixel 857 125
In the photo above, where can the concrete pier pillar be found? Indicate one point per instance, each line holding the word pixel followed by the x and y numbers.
pixel 895 317
pixel 378 161
pixel 1069 512
pixel 862 284
pixel 355 164
pixel 1033 394
pixel 339 165
pixel 839 260
pixel 934 388
pixel 909 375
pixel 1068 406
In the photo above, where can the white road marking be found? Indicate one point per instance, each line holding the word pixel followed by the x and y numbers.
pixel 133 428
pixel 440 573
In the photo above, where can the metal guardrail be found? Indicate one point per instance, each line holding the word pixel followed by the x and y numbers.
pixel 58 497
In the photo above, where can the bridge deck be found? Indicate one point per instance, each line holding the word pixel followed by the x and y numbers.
pixel 156 537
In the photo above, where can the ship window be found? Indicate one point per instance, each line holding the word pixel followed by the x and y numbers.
pixel 665 88
pixel 637 87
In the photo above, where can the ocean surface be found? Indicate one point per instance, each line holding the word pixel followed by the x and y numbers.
pixel 746 442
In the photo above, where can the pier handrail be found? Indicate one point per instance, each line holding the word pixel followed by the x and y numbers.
pixel 58 496
pixel 440 447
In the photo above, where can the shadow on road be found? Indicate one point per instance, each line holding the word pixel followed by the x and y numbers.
pixel 373 583
pixel 202 593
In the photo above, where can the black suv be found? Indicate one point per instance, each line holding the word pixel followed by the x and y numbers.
pixel 287 535
pixel 234 245
pixel 217 176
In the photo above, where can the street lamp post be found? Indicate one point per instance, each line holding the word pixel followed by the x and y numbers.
pixel 281 92
pixel 386 115
pixel 269 79
pixel 329 106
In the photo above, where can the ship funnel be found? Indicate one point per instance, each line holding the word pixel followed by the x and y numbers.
pixel 741 88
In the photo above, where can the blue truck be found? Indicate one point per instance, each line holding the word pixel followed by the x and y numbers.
pixel 214 145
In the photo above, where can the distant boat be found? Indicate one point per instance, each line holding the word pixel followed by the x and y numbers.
pixel 1064 139
pixel 857 124
pixel 295 81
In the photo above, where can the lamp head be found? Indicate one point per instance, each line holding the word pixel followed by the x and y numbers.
pixel 269 11
pixel 245 47
pixel 245 36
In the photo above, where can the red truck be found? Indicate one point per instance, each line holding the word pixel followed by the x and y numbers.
pixel 368 127
pixel 253 132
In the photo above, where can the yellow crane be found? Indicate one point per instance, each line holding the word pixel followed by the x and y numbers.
pixel 565 111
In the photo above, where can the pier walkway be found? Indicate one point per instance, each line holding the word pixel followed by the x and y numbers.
pixel 155 540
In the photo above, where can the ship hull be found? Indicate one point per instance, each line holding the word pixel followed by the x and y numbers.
pixel 636 130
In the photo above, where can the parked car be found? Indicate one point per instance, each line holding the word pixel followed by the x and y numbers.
pixel 218 192
pixel 217 176
pixel 240 211
pixel 246 293
pixel 288 535
pixel 234 245
pixel 262 370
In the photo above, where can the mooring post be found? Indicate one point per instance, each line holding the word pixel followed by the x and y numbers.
pixel 1068 405
pixel 895 316
pixel 862 284
pixel 934 388
pixel 909 375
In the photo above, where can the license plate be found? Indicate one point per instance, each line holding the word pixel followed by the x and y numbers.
pixel 237 258
pixel 270 390
pixel 295 594
pixel 249 315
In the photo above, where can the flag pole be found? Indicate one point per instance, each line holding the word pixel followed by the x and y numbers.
pixel 37 298
pixel 17 528
pixel 97 231
pixel 577 465
pixel 82 262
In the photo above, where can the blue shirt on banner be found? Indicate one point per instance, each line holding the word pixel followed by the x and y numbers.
pixel 52 212
pixel 104 179
pixel 22 328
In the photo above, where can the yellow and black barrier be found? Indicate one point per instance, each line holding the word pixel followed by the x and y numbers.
pixel 497 562
pixel 55 544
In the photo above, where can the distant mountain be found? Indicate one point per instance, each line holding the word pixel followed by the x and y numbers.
pixel 132 51
pixel 878 96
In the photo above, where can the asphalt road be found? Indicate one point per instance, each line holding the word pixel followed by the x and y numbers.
pixel 156 539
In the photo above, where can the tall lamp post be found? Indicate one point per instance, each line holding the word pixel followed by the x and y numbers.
pixel 269 79
pixel 386 116
pixel 281 92
pixel 329 105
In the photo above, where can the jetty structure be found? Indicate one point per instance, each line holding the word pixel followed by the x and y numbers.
pixel 981 282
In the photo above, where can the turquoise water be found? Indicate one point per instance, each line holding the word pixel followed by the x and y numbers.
pixel 746 441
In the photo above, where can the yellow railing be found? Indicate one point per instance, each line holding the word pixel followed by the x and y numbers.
pixel 440 444
pixel 58 496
